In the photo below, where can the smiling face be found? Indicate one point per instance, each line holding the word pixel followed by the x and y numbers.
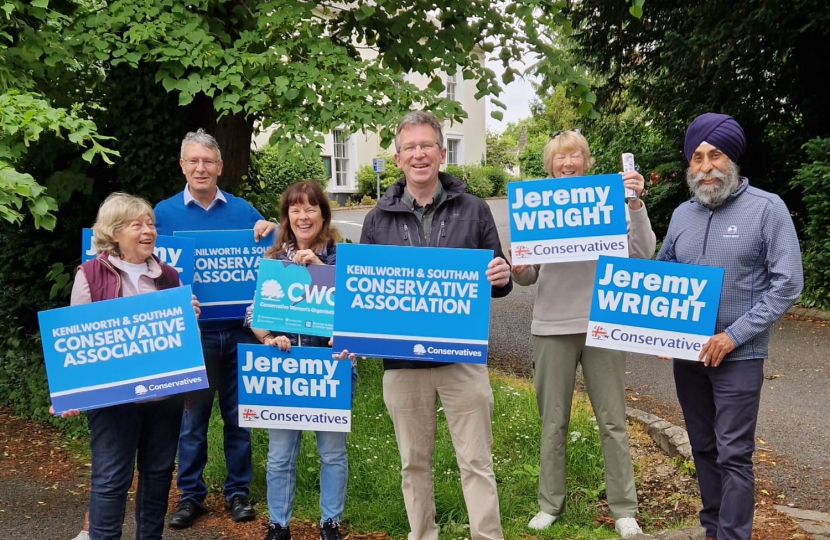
pixel 306 221
pixel 568 163
pixel 712 176
pixel 137 239
pixel 202 170
pixel 420 156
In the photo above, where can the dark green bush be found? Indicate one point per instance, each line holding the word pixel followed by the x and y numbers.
pixel 499 178
pixel 531 160
pixel 475 177
pixel 814 179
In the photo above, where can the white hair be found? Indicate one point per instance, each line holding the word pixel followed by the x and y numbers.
pixel 200 136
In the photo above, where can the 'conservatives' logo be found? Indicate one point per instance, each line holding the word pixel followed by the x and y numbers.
pixel 419 349
pixel 140 390
pixel 522 252
pixel 599 333
pixel 249 415
pixel 271 290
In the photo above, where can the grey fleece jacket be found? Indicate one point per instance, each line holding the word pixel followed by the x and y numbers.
pixel 563 300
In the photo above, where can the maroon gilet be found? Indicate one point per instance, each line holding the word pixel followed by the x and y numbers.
pixel 105 281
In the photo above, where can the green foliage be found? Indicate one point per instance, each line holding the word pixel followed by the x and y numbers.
pixel 499 178
pixel 375 502
pixel 753 61
pixel 499 154
pixel 531 158
pixel 814 180
pixel 476 178
pixel 273 170
pixel 367 179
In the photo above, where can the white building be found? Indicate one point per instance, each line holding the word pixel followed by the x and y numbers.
pixel 343 154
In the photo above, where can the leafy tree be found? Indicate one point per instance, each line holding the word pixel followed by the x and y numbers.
pixel 499 151
pixel 26 114
pixel 758 61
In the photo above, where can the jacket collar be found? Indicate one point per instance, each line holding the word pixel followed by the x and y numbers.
pixel 391 200
pixel 153 264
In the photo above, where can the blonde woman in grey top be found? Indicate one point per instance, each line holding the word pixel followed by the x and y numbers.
pixel 560 322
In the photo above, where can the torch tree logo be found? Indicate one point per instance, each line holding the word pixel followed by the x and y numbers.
pixel 272 290
pixel 419 349
pixel 140 389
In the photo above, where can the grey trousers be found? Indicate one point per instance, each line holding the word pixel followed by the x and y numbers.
pixel 555 359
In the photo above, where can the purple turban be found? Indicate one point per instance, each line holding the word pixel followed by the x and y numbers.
pixel 719 130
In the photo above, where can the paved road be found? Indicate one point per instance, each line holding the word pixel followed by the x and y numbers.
pixel 795 407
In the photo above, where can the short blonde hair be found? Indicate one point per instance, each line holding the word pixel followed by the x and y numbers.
pixel 565 143
pixel 116 212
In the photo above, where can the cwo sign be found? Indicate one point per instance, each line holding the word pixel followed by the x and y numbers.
pixel 294 298
pixel 653 307
pixel 567 219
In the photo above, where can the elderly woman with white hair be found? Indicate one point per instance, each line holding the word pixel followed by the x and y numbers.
pixel 560 322
pixel 146 434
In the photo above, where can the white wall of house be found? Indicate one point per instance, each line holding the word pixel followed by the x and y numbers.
pixel 465 141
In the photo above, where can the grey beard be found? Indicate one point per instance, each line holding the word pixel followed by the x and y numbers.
pixel 714 195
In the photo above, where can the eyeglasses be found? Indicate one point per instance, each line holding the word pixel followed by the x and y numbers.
pixel 557 133
pixel 426 146
pixel 208 163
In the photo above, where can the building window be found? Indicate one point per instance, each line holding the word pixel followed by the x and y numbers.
pixel 452 86
pixel 327 166
pixel 453 151
pixel 341 158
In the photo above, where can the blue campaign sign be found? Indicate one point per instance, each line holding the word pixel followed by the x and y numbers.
pixel 418 304
pixel 567 219
pixel 654 307
pixel 177 252
pixel 300 389
pixel 294 298
pixel 226 264
pixel 118 351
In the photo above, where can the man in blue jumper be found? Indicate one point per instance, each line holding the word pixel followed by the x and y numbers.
pixel 750 234
pixel 203 206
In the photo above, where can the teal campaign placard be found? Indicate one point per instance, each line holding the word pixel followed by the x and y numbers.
pixel 654 307
pixel 303 388
pixel 413 303
pixel 129 349
pixel 177 252
pixel 225 270
pixel 567 219
pixel 292 298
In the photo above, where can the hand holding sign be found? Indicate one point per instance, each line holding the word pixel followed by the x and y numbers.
pixel 498 272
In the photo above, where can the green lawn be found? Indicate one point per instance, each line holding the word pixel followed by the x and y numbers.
pixel 374 501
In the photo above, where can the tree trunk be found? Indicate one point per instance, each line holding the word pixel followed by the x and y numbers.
pixel 233 132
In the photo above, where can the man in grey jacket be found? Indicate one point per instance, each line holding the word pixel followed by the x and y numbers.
pixel 750 234
pixel 430 208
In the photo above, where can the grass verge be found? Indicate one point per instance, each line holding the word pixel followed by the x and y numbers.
pixel 374 501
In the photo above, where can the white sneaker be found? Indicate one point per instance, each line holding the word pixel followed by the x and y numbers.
pixel 542 520
pixel 627 527
pixel 83 535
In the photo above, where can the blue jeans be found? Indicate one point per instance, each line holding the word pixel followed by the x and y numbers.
pixel 117 435
pixel 280 478
pixel 720 406
pixel 220 361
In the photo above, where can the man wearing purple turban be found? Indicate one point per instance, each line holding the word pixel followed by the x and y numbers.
pixel 750 234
